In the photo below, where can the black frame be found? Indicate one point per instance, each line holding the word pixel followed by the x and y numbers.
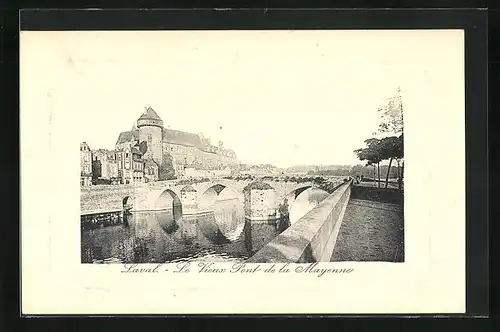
pixel 474 22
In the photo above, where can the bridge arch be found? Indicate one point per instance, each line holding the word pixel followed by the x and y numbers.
pixel 226 204
pixel 170 207
pixel 127 201
pixel 300 201
pixel 208 196
pixel 167 200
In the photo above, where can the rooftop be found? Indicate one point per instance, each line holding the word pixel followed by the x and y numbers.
pixel 149 113
pixel 127 135
pixel 182 138
pixel 151 162
pixel 136 151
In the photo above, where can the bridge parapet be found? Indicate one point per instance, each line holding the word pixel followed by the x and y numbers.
pixel 312 238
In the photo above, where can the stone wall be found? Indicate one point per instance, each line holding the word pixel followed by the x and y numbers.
pixel 312 238
pixel 189 200
pixel 189 154
pixel 260 204
pixel 108 198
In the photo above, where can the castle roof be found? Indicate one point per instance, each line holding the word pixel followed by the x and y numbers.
pixel 102 152
pixel 136 150
pixel 150 113
pixel 169 136
pixel 182 138
pixel 127 135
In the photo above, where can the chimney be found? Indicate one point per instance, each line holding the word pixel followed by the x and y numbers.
pixel 220 144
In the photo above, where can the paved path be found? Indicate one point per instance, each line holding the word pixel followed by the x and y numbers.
pixel 372 230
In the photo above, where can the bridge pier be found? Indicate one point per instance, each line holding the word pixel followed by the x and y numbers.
pixel 261 222
pixel 189 200
pixel 258 233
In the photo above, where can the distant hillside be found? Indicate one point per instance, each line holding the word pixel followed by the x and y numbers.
pixel 317 168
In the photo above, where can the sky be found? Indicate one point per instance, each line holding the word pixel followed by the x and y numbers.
pixel 280 97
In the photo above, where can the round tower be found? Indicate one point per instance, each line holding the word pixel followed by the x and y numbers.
pixel 150 128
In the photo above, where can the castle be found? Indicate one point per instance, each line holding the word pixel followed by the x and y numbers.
pixel 143 152
pixel 185 150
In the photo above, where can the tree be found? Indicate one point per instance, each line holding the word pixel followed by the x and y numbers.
pixel 166 170
pixel 372 154
pixel 143 147
pixel 375 153
pixel 399 159
pixel 391 148
pixel 392 122
pixel 392 116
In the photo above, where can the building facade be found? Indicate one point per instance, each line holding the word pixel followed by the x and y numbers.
pixel 142 153
pixel 104 167
pixel 85 165
pixel 130 163
pixel 186 149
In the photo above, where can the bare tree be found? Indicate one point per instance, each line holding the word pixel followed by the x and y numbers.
pixel 392 122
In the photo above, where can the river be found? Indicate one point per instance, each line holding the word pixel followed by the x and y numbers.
pixel 167 236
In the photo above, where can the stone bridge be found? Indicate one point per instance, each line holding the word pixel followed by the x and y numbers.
pixel 262 199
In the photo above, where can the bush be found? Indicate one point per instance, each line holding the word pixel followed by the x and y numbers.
pixel 319 179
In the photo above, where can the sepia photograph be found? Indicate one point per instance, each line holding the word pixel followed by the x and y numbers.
pixel 238 165
pixel 282 155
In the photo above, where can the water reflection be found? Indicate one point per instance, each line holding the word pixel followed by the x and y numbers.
pixel 167 221
pixel 305 202
pixel 168 236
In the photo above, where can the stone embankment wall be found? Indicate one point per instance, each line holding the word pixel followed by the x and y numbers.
pixel 108 198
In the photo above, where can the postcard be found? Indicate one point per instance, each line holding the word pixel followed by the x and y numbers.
pixel 234 172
